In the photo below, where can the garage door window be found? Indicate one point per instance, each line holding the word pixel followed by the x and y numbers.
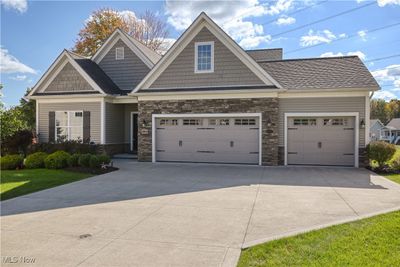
pixel 168 122
pixel 192 122
pixel 305 122
pixel 335 122
pixel 245 121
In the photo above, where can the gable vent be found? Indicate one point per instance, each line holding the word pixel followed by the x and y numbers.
pixel 119 53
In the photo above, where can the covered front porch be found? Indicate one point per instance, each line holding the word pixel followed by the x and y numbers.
pixel 390 134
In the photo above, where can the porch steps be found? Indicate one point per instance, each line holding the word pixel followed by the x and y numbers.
pixel 125 156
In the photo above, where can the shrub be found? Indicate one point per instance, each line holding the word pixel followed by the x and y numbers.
pixel 57 160
pixel 94 162
pixel 11 162
pixel 17 143
pixel 396 163
pixel 84 160
pixel 104 159
pixel 35 160
pixel 74 160
pixel 72 147
pixel 380 152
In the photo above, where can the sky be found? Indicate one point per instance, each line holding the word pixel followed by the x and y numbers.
pixel 34 33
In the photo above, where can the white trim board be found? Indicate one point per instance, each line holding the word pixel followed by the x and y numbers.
pixel 204 115
pixel 200 22
pixel 356 115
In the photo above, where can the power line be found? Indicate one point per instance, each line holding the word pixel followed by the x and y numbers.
pixel 345 38
pixel 383 58
pixel 324 19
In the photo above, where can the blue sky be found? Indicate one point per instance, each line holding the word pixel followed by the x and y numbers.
pixel 34 33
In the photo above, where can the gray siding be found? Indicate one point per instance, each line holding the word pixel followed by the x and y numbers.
pixel 313 105
pixel 95 117
pixel 128 109
pixel 126 73
pixel 114 123
pixel 228 69
pixel 68 80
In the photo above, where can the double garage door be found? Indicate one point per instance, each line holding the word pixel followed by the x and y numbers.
pixel 207 139
pixel 321 141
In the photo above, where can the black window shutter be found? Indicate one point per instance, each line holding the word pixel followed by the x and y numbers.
pixel 52 126
pixel 86 126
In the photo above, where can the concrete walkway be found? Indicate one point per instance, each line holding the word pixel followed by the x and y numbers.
pixel 184 214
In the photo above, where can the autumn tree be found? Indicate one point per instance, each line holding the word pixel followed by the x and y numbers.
pixel 147 28
pixel 385 111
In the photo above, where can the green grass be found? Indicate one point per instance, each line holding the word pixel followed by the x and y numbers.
pixel 21 182
pixel 393 177
pixel 370 242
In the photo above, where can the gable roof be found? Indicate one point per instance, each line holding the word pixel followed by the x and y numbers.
pixel 148 56
pixel 373 122
pixel 199 23
pixel 395 123
pixel 266 54
pixel 321 73
pixel 71 58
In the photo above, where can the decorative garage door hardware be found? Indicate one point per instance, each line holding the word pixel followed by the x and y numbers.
pixel 253 152
pixel 205 128
pixel 160 150
pixel 160 128
pixel 292 153
pixel 254 128
pixel 348 154
pixel 292 128
pixel 205 151
pixel 348 129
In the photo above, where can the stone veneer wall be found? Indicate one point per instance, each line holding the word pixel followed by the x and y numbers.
pixel 268 107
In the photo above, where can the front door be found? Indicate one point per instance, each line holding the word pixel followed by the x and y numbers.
pixel 134 132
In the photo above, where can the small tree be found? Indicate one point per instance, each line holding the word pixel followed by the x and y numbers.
pixel 380 152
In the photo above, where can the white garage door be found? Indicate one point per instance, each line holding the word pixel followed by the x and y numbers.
pixel 219 140
pixel 321 141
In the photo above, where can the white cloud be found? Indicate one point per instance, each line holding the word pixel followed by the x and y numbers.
pixel 19 5
pixel 383 3
pixel 285 20
pixel 10 64
pixel 360 54
pixel 363 35
pixel 384 94
pixel 252 42
pixel 390 74
pixel 313 38
pixel 167 43
pixel 230 15
pixel 19 78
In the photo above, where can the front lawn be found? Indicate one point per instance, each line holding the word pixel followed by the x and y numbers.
pixel 21 182
pixel 394 177
pixel 370 242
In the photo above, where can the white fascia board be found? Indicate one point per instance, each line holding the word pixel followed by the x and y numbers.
pixel 112 40
pixel 204 21
pixel 323 93
pixel 206 95
pixel 68 99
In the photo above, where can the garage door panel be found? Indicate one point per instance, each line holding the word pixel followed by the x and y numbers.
pixel 321 141
pixel 208 143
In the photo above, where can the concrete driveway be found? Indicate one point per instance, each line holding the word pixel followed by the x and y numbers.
pixel 184 214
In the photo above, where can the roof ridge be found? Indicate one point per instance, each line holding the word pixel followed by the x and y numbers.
pixel 307 58
pixel 262 49
pixel 132 39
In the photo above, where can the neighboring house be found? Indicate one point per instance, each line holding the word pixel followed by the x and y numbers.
pixel 208 100
pixel 391 132
pixel 375 129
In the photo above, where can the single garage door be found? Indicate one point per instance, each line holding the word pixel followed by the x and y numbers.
pixel 321 141
pixel 219 140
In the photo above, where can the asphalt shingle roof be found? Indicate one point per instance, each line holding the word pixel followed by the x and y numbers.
pixel 320 73
pixel 266 54
pixel 395 123
pixel 150 54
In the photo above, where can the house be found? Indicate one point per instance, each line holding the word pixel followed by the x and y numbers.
pixel 375 129
pixel 391 132
pixel 208 100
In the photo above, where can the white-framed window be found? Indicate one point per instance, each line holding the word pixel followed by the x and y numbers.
pixel 192 122
pixel 119 53
pixel 305 122
pixel 168 122
pixel 220 122
pixel 69 125
pixel 335 122
pixel 204 57
pixel 245 121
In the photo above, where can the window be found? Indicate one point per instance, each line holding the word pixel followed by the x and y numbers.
pixel 212 122
pixel 335 122
pixel 168 122
pixel 119 53
pixel 204 57
pixel 69 125
pixel 305 122
pixel 224 122
pixel 245 121
pixel 192 122
pixel 220 122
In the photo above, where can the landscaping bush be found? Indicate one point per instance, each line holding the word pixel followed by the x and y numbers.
pixel 57 160
pixel 396 163
pixel 74 160
pixel 72 147
pixel 35 160
pixel 104 159
pixel 11 162
pixel 380 152
pixel 84 160
pixel 94 162
pixel 17 143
